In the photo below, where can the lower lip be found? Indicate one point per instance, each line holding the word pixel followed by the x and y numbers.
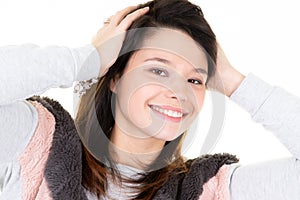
pixel 173 119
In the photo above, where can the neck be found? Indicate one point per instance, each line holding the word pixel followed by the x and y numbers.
pixel 132 151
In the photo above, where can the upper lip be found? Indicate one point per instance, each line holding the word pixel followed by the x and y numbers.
pixel 167 107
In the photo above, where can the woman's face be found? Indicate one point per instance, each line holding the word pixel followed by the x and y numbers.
pixel 161 90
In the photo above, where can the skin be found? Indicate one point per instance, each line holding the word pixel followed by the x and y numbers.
pixel 165 74
pixel 227 78
pixel 114 31
pixel 226 82
pixel 140 129
pixel 149 80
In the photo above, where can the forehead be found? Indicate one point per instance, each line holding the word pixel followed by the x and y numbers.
pixel 165 41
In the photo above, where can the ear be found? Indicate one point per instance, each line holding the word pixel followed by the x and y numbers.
pixel 113 84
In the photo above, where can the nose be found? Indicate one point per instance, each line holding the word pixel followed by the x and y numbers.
pixel 178 90
pixel 179 96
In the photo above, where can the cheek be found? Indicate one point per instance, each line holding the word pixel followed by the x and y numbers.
pixel 199 97
pixel 137 105
pixel 142 96
pixel 138 97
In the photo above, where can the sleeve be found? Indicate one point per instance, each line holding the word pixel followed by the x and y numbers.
pixel 274 180
pixel 29 70
pixel 17 125
pixel 279 112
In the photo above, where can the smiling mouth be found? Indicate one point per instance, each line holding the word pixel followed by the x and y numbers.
pixel 171 114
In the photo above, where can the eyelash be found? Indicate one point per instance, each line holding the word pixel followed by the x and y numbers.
pixel 159 72
pixel 195 80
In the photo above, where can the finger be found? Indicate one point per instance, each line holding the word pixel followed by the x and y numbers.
pixel 117 18
pixel 107 20
pixel 130 18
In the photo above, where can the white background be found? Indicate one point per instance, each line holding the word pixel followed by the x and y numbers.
pixel 261 37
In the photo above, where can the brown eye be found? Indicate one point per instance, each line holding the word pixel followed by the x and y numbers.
pixel 195 81
pixel 159 72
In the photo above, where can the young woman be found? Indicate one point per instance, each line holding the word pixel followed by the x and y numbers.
pixel 126 138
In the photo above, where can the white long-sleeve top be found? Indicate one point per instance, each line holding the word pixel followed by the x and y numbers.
pixel 30 70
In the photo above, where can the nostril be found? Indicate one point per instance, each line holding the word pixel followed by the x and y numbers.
pixel 179 97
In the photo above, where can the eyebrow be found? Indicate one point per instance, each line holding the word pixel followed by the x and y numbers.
pixel 162 60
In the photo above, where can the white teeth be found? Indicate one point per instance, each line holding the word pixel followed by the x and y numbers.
pixel 170 113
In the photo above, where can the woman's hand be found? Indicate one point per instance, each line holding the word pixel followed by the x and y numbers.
pixel 226 79
pixel 110 37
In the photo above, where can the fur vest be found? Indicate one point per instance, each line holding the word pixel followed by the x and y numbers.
pixel 62 172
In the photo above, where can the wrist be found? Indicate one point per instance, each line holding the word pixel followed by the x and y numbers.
pixel 232 82
pixel 106 60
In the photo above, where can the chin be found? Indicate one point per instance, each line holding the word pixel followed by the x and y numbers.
pixel 167 137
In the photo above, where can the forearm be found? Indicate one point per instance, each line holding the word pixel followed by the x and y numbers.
pixel 273 107
pixel 30 70
pixel 279 112
pixel 232 81
pixel 226 78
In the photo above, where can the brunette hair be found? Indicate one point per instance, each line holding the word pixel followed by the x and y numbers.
pixel 95 116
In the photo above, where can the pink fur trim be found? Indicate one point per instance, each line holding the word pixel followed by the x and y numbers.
pixel 33 159
pixel 217 188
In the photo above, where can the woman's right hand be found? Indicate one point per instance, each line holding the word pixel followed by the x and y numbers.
pixel 109 39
